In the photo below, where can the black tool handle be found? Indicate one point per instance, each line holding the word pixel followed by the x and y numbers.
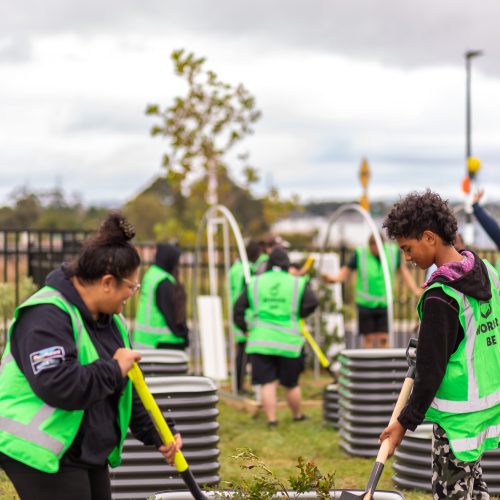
pixel 192 485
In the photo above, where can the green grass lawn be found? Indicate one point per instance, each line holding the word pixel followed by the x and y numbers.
pixel 7 491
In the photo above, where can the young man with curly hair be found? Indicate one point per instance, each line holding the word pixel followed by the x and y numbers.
pixel 457 383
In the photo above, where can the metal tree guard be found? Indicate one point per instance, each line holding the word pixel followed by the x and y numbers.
pixel 217 215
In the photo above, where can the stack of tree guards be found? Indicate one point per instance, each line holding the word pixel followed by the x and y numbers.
pixel 369 384
pixel 412 463
pixel 192 402
pixel 331 405
pixel 163 362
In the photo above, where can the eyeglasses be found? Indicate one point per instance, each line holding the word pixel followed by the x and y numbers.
pixel 134 286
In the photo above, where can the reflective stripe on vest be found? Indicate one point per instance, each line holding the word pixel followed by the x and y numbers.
pixel 268 324
pixel 75 319
pixel 6 358
pixel 152 329
pixel 472 443
pixel 276 345
pixel 31 432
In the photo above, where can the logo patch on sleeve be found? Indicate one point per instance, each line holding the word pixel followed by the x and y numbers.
pixel 47 358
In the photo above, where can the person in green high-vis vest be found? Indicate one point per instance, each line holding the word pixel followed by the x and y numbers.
pixel 66 402
pixel 236 286
pixel 457 383
pixel 160 321
pixel 277 300
pixel 370 293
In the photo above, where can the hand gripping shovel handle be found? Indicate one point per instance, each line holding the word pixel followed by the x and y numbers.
pixel 137 378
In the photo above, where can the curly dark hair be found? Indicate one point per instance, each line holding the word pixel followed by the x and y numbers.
pixel 419 212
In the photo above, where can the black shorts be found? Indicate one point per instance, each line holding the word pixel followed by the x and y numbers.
pixel 372 320
pixel 267 368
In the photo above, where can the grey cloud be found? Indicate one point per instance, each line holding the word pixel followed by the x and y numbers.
pixel 100 117
pixel 405 34
pixel 15 50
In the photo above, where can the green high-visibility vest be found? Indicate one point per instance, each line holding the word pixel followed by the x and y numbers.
pixel 259 266
pixel 370 285
pixel 467 403
pixel 275 299
pixel 150 325
pixel 236 287
pixel 33 432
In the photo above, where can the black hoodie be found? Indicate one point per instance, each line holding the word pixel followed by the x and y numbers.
pixel 168 295
pixel 94 388
pixel 440 334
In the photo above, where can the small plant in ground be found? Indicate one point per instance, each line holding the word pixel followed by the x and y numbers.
pixel 310 478
pixel 264 484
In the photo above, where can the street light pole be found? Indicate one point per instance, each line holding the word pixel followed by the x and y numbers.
pixel 469 229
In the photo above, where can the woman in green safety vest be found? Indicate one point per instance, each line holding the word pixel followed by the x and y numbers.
pixel 65 400
pixel 457 384
pixel 161 316
pixel 370 293
pixel 276 300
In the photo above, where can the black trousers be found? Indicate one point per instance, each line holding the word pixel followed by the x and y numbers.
pixel 70 483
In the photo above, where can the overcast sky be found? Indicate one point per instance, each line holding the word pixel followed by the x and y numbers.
pixel 336 80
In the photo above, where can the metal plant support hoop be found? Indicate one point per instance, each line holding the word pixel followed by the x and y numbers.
pixel 217 215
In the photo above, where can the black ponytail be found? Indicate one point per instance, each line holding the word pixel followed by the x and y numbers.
pixel 108 252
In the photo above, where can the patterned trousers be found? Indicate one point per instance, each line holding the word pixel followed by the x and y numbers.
pixel 452 478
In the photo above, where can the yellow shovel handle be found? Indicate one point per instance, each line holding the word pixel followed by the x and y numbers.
pixel 315 347
pixel 307 265
pixel 137 378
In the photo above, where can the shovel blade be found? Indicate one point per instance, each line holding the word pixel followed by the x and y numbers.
pixel 347 495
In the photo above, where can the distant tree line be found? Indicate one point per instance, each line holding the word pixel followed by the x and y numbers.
pixel 53 209
pixel 158 212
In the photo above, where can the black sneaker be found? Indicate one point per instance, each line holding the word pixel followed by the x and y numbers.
pixel 272 424
pixel 301 418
